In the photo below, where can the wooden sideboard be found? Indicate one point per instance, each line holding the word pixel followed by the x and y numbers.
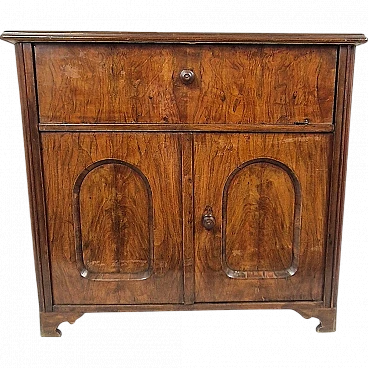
pixel 173 171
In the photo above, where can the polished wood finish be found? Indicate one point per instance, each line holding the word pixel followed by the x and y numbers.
pixel 269 195
pixel 240 85
pixel 187 178
pixel 192 38
pixel 339 165
pixel 50 322
pixel 152 127
pixel 127 223
pixel 32 145
pixel 185 171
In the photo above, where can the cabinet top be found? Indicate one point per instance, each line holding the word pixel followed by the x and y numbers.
pixel 186 38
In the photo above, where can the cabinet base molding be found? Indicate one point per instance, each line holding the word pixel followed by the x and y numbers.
pixel 70 313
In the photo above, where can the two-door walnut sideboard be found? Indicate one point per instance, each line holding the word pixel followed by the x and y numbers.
pixel 173 171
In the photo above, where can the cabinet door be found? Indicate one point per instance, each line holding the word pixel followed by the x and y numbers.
pixel 269 196
pixel 111 202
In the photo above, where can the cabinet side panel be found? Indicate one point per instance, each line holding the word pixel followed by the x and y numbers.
pixel 26 78
pixel 339 165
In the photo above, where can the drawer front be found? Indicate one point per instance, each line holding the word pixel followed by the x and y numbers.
pixel 120 83
pixel 263 84
pixel 105 83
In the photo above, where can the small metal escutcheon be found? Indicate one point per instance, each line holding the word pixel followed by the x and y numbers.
pixel 304 122
pixel 208 220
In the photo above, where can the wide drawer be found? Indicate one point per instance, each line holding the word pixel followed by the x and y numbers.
pixel 141 83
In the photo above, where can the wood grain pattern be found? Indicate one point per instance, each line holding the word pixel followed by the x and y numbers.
pixel 123 157
pixel 153 127
pixel 189 37
pixel 339 166
pixel 70 313
pixel 188 216
pixel 113 218
pixel 77 83
pixel 239 84
pixel 262 84
pixel 158 158
pixel 309 158
pixel 32 149
pixel 49 322
pixel 261 209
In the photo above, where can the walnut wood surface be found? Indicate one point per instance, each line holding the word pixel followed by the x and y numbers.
pixel 192 38
pixel 31 135
pixel 153 127
pixel 261 220
pixel 239 84
pixel 260 246
pixel 113 219
pixel 158 158
pixel 339 166
pixel 49 322
pixel 123 158
pixel 309 158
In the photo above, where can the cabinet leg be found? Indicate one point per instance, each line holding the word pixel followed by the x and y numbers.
pixel 49 322
pixel 327 321
pixel 326 316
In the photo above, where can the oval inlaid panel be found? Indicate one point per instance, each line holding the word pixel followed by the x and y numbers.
pixel 261 221
pixel 113 221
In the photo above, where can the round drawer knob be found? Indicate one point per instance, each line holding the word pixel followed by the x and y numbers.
pixel 187 76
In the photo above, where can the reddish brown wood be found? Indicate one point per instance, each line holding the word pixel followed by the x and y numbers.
pixel 113 221
pixel 327 317
pixel 261 220
pixel 262 84
pixel 63 313
pixel 32 150
pixel 191 38
pixel 50 321
pixel 157 157
pixel 188 216
pixel 159 192
pixel 188 307
pixel 241 85
pixel 129 81
pixel 343 106
pixel 153 127
pixel 261 248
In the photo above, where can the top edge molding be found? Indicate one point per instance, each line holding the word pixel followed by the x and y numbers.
pixel 185 38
